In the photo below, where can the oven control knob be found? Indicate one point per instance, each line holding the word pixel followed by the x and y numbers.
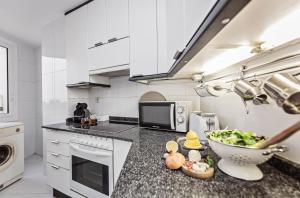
pixel 180 109
pixel 180 119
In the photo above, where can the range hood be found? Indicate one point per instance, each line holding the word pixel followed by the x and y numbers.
pixel 86 85
pixel 93 81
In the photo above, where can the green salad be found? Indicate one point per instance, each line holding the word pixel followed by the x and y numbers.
pixel 237 138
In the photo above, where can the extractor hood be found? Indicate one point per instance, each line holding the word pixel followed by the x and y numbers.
pixel 92 81
pixel 86 85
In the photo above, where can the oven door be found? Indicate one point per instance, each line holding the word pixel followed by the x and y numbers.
pixel 157 115
pixel 92 171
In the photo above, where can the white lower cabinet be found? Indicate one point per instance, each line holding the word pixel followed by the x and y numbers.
pixel 121 149
pixel 58 178
pixel 58 160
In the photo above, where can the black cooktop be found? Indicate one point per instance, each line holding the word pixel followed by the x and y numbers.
pixel 105 127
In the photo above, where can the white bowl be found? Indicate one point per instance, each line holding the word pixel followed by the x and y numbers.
pixel 240 162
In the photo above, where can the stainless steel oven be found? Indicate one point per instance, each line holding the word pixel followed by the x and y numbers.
pixel 92 169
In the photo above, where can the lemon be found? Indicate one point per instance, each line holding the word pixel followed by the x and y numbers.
pixel 191 135
pixel 172 146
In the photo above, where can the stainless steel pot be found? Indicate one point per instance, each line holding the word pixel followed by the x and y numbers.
pixel 250 90
pixel 285 90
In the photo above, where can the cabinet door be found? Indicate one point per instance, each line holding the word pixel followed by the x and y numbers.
pixel 97 27
pixel 170 28
pixel 109 55
pixel 143 37
pixel 76 49
pixel 117 18
pixel 195 13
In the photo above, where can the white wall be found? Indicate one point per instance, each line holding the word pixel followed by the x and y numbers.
pixel 27 91
pixel 123 96
pixel 26 81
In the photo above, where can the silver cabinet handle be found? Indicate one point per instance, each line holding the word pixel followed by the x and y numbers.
pixel 112 40
pixel 55 154
pixel 177 54
pixel 98 44
pixel 56 167
pixel 55 142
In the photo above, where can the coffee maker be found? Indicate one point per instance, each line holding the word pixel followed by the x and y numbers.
pixel 80 112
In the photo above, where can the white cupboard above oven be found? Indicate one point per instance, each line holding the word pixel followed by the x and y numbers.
pixel 108 35
pixel 107 21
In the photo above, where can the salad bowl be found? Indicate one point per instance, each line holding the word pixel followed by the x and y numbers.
pixel 241 162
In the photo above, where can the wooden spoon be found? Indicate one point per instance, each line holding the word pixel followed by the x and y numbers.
pixel 281 136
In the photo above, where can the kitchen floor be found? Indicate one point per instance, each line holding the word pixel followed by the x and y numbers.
pixel 32 185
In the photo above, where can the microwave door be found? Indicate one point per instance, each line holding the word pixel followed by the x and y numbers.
pixel 157 115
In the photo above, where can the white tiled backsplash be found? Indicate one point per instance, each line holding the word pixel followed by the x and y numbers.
pixel 123 96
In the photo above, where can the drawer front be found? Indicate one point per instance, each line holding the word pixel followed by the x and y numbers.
pixel 58 178
pixel 58 159
pixel 58 147
pixel 58 135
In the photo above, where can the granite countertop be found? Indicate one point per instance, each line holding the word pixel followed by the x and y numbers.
pixel 144 173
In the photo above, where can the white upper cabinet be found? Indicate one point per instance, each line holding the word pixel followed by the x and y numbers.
pixel 143 37
pixel 195 13
pixel 117 19
pixel 107 32
pixel 170 31
pixel 97 27
pixel 76 46
pixel 111 54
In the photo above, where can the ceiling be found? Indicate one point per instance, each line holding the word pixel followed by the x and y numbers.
pixel 24 19
pixel 246 29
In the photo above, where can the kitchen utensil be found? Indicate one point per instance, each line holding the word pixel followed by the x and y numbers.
pixel 240 162
pixel 209 90
pixel 249 90
pixel 205 175
pixel 185 151
pixel 281 136
pixel 285 90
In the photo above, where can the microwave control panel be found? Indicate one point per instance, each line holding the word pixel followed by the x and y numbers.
pixel 182 115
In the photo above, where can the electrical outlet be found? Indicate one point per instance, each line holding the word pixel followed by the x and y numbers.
pixel 97 99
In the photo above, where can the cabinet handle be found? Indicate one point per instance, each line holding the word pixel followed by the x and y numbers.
pixel 177 54
pixel 98 44
pixel 55 154
pixel 112 40
pixel 56 167
pixel 54 142
pixel 137 75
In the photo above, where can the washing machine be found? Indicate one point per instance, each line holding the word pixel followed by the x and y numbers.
pixel 11 153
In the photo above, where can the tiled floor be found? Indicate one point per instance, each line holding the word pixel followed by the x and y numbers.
pixel 32 185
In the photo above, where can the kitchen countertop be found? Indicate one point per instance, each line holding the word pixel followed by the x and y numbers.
pixel 144 173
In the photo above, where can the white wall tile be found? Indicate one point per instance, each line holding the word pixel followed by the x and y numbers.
pixel 123 96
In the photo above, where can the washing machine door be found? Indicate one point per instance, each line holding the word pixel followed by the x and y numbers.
pixel 6 155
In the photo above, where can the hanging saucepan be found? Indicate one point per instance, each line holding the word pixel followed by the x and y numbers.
pixel 285 90
pixel 250 90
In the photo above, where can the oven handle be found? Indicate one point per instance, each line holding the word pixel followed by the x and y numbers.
pixel 98 153
pixel 172 107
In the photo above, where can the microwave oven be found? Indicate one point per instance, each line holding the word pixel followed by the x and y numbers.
pixel 165 115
